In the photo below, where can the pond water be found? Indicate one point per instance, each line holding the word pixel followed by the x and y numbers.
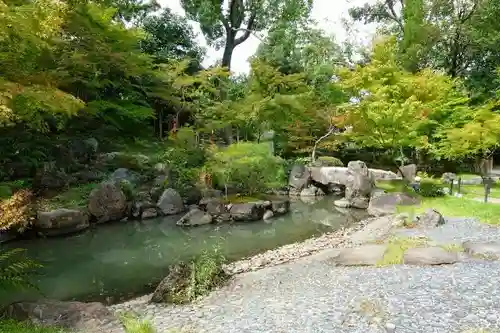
pixel 124 259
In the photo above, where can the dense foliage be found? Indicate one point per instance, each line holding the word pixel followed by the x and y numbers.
pixel 123 71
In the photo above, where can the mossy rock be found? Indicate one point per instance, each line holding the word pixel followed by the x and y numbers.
pixel 328 161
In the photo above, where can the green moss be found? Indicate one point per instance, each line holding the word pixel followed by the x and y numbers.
pixel 329 161
pixel 73 197
pixel 396 248
pixel 452 247
pixel 11 326
pixel 242 199
pixel 392 186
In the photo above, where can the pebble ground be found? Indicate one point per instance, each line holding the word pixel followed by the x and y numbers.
pixel 312 295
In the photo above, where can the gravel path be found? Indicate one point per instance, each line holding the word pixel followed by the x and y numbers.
pixel 312 295
pixel 457 230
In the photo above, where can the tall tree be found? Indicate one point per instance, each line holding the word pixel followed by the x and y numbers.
pixel 230 24
pixel 394 109
pixel 294 47
pixel 170 37
pixel 457 36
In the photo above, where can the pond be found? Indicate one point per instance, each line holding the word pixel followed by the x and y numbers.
pixel 121 260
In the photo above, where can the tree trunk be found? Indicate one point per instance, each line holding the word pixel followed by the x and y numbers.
pixel 228 50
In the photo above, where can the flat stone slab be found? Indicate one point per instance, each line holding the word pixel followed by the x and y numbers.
pixel 486 250
pixel 377 229
pixel 433 255
pixel 365 255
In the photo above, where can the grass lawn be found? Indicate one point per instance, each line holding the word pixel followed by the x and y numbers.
pixel 458 207
pixel 452 206
pixel 11 326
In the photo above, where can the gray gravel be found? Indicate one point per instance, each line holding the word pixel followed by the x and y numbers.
pixel 312 295
pixel 457 230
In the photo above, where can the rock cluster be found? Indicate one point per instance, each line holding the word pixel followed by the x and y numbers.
pixel 214 209
pixel 314 181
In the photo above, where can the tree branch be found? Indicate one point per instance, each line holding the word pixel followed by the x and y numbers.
pixel 253 33
pixel 331 130
pixel 248 30
pixel 393 15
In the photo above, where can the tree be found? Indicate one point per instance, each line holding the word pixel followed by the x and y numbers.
pixel 170 37
pixel 231 25
pixel 29 83
pixel 455 36
pixel 394 109
pixel 295 47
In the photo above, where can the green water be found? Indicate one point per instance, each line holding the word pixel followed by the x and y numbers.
pixel 117 261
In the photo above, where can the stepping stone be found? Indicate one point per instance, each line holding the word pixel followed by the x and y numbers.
pixel 433 255
pixel 377 229
pixel 486 250
pixel 366 255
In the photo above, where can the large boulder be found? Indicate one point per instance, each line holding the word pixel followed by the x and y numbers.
pixel 123 174
pixel 251 211
pixel 61 221
pixel 195 217
pixel 107 202
pixel 386 203
pixel 74 316
pixel 143 208
pixel 170 202
pixel 168 288
pixel 51 178
pixel 359 186
pixel 408 172
pixel 280 207
pixel 299 179
pixel 429 219
pixel 339 175
pixel 217 209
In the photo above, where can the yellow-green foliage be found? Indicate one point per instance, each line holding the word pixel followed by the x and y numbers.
pixel 396 248
pixel 133 324
pixel 16 212
pixel 249 167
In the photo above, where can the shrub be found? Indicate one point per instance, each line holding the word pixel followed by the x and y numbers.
pixel 133 324
pixel 190 281
pixel 17 211
pixel 329 161
pixel 247 167
pixel 430 189
pixel 184 159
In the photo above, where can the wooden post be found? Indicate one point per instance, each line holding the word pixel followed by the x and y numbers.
pixel 459 185
pixel 451 186
pixel 487 188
